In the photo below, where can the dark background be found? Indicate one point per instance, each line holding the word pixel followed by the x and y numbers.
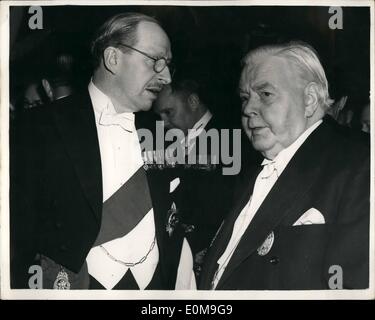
pixel 213 38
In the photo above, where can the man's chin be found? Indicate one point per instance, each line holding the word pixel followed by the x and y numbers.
pixel 259 144
pixel 145 107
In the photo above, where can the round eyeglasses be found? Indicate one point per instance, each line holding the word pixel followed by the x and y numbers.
pixel 159 63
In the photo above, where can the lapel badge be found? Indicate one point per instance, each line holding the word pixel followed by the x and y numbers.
pixel 188 228
pixel 172 219
pixel 266 245
pixel 62 281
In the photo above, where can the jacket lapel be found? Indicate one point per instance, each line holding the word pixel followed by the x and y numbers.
pixel 75 121
pixel 243 190
pixel 287 193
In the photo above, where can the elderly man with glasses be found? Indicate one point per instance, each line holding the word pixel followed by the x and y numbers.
pixel 88 213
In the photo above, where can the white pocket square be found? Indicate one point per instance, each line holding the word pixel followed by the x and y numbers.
pixel 311 216
pixel 174 184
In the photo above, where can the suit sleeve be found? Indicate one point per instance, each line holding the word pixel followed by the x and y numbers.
pixel 349 245
pixel 24 173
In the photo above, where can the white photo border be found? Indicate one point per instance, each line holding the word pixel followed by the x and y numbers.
pixel 8 293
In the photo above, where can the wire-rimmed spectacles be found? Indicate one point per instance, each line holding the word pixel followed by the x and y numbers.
pixel 159 63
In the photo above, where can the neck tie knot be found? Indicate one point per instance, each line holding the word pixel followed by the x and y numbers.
pixel 115 119
pixel 269 169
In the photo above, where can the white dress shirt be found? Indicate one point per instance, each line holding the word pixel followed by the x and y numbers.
pixel 120 154
pixel 272 169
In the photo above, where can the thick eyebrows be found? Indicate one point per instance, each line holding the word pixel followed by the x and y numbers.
pixel 264 85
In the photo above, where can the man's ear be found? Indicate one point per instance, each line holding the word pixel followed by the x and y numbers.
pixel 311 99
pixel 194 101
pixel 111 59
pixel 48 89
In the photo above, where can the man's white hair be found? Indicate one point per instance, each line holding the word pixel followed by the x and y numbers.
pixel 305 58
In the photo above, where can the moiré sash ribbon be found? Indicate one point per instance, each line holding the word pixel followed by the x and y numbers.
pixel 125 208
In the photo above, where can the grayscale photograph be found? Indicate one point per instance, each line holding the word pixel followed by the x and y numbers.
pixel 196 149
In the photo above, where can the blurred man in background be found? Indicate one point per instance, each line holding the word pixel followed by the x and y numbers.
pixel 204 193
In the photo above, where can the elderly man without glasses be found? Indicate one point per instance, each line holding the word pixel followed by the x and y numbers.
pixel 301 219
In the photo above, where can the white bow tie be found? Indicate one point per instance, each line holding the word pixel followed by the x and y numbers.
pixel 108 119
pixel 268 169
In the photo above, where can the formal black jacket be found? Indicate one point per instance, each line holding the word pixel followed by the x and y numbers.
pixel 330 172
pixel 56 191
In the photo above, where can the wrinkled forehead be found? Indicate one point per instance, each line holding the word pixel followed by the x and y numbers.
pixel 153 39
pixel 268 69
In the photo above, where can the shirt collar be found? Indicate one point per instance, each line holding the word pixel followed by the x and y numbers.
pixel 202 122
pixel 199 126
pixel 284 156
pixel 102 103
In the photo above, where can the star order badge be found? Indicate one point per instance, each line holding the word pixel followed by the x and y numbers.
pixel 172 219
pixel 188 228
pixel 62 281
pixel 266 245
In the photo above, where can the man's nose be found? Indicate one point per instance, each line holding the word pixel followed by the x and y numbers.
pixel 165 76
pixel 251 108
